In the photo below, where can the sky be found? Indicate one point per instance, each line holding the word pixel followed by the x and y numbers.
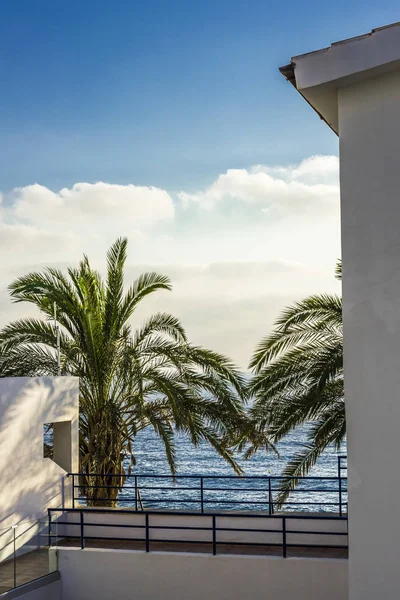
pixel 169 123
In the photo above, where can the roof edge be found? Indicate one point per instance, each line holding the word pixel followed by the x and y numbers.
pixel 289 74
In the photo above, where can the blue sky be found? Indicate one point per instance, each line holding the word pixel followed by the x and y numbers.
pixel 168 122
pixel 163 93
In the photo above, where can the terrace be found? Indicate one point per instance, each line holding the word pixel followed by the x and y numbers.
pixel 195 516
pixel 216 515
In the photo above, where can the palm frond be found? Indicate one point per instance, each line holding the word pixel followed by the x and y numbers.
pixel 152 377
pixel 298 380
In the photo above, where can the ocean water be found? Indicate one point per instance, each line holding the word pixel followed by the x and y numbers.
pixel 158 490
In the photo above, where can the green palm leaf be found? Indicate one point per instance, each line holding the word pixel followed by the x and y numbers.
pixel 151 377
pixel 298 380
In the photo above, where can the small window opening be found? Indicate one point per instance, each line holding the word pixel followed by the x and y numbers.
pixel 48 440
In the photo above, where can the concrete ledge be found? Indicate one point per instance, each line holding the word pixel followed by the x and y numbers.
pixel 21 590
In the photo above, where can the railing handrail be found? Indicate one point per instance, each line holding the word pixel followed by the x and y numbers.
pixel 201 490
pixel 213 529
pixel 193 513
pixel 236 477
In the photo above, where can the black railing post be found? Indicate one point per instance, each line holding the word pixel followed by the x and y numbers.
pixel 340 495
pixel 202 493
pixel 73 491
pixel 147 533
pixel 270 499
pixel 14 556
pixel 82 531
pixel 136 493
pixel 284 548
pixel 214 533
pixel 49 527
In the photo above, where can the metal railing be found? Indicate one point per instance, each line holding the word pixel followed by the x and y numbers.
pixel 342 483
pixel 220 492
pixel 210 531
pixel 24 554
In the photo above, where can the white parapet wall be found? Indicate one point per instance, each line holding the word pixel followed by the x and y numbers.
pixel 105 574
pixel 30 483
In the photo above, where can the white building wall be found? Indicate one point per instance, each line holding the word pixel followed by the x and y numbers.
pixel 369 129
pixel 105 574
pixel 29 483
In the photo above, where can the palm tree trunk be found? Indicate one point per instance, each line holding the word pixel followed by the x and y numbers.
pixel 102 478
pixel 102 490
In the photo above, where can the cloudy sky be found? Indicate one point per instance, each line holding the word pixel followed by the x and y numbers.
pixel 236 250
pixel 173 127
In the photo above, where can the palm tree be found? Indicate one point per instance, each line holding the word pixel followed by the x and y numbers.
pixel 298 380
pixel 129 380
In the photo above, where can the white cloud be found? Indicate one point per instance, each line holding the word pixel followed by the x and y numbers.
pixel 246 245
pixel 91 204
pixel 311 185
pixel 38 224
pixel 316 169
pixel 313 170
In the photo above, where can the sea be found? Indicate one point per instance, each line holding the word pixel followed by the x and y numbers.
pixel 221 488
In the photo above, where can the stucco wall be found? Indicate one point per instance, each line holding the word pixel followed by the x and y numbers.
pixel 105 574
pixel 369 129
pixel 29 483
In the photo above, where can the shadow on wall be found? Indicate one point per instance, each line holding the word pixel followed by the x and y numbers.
pixel 30 483
pixel 25 537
